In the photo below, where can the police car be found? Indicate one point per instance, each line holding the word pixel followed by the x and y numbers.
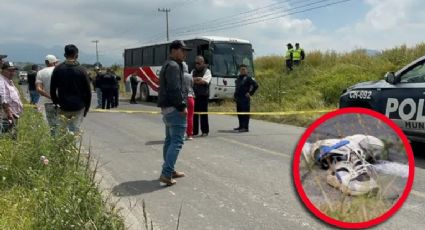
pixel 400 96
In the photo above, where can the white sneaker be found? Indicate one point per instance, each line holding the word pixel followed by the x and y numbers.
pixel 352 176
pixel 373 147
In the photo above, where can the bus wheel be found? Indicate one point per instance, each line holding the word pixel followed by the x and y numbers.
pixel 144 92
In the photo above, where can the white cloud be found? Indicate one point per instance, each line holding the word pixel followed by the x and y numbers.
pixel 387 14
pixel 130 23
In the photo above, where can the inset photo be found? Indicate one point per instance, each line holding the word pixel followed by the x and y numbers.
pixel 353 168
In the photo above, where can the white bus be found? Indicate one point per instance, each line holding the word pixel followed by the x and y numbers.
pixel 223 56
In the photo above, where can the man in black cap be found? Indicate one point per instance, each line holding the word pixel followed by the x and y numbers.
pixel 245 88
pixel 70 90
pixel 172 98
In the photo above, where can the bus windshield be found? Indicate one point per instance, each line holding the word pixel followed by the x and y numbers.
pixel 228 56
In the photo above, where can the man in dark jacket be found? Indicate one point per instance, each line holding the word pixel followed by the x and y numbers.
pixel 107 85
pixel 245 88
pixel 172 99
pixel 116 91
pixel 70 90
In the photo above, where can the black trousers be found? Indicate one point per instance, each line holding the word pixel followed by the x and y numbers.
pixel 133 94
pixel 115 98
pixel 201 105
pixel 107 95
pixel 289 64
pixel 243 105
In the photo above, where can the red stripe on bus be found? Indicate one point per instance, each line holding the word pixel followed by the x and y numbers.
pixel 152 83
pixel 151 75
pixel 146 80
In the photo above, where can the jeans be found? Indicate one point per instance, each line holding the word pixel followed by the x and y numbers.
pixel 34 97
pixel 51 117
pixel 175 127
pixel 71 120
pixel 7 128
pixel 99 97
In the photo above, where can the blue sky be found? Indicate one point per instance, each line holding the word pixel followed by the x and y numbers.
pixel 37 27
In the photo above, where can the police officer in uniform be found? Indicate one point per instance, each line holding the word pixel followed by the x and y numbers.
pixel 289 57
pixel 245 88
pixel 298 54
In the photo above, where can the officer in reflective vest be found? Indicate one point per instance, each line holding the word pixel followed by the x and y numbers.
pixel 289 57
pixel 298 54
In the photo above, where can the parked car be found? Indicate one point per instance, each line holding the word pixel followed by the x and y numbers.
pixel 23 77
pixel 400 96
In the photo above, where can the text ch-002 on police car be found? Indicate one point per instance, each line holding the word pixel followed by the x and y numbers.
pixel 400 96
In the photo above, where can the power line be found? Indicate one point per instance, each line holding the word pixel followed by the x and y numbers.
pixel 227 18
pixel 253 20
pixel 272 18
pixel 262 17
pixel 223 20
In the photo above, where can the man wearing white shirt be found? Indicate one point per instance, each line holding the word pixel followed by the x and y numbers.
pixel 43 88
pixel 201 86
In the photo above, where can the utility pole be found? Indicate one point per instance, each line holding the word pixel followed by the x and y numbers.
pixel 166 10
pixel 97 51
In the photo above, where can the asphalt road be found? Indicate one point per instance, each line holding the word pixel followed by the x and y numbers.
pixel 234 181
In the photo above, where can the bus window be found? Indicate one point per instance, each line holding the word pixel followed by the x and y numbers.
pixel 127 58
pixel 227 57
pixel 136 59
pixel 160 55
pixel 205 52
pixel 148 54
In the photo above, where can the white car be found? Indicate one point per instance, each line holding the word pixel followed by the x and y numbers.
pixel 23 77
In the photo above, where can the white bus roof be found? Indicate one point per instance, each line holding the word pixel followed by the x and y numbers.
pixel 221 39
pixel 206 38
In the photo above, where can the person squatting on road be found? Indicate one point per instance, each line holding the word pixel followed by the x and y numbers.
pixel 34 95
pixel 201 85
pixel 172 99
pixel 42 82
pixel 70 90
pixel 245 88
pixel 188 83
pixel 11 105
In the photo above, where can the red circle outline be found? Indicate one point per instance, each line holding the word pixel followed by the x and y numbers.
pixel 312 207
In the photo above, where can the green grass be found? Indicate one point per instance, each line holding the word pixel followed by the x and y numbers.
pixel 318 83
pixel 60 195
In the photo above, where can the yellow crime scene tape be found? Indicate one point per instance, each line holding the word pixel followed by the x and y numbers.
pixel 217 113
pixel 155 112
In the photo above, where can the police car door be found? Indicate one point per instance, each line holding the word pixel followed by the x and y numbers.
pixel 405 102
